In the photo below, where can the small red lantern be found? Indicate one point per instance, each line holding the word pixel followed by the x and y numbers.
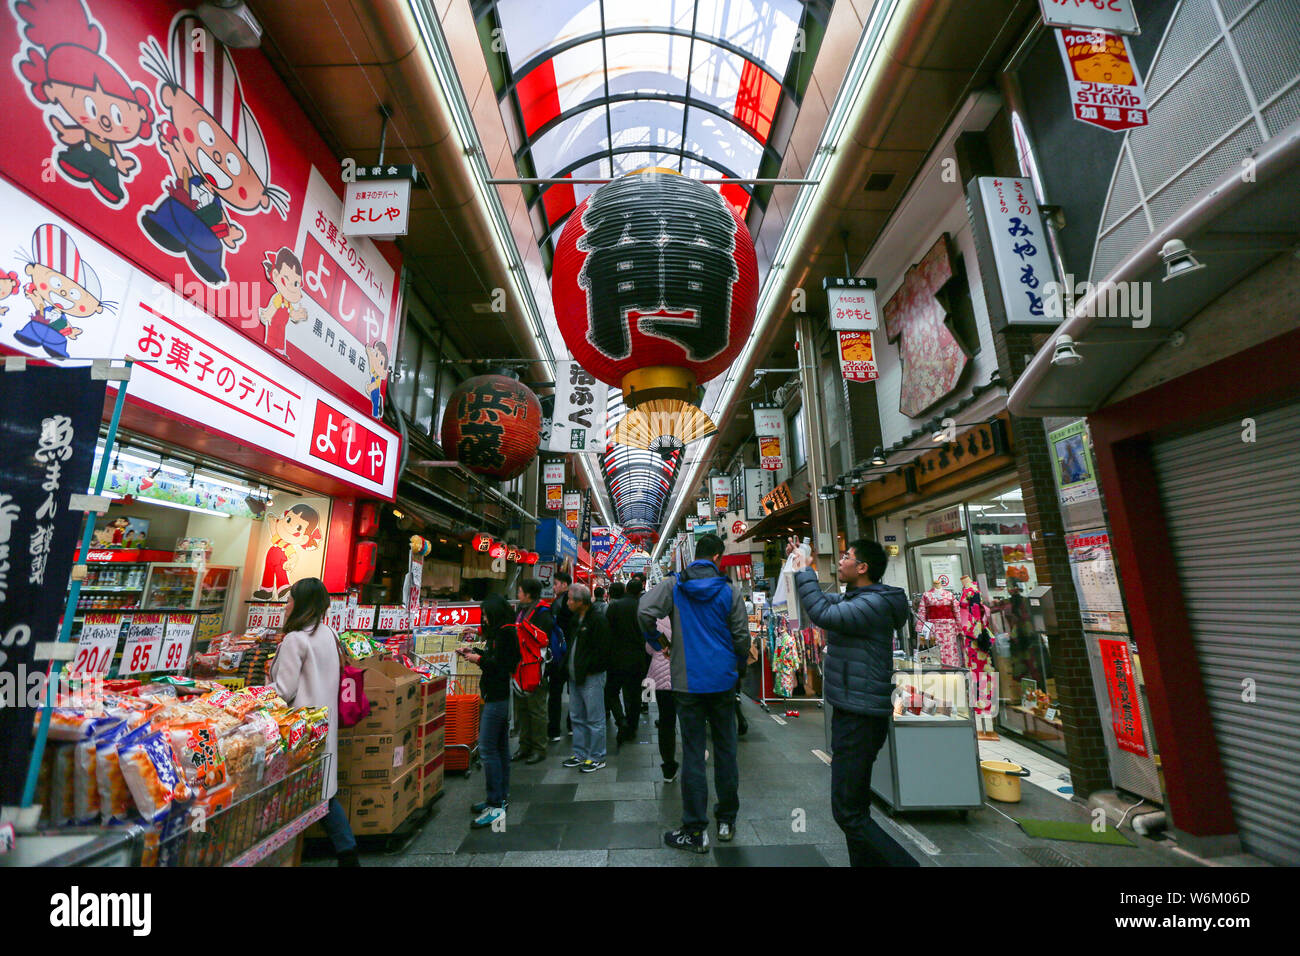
pixel 512 554
pixel 498 550
pixel 493 426
pixel 531 558
pixel 481 542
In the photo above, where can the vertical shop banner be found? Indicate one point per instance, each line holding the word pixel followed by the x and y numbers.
pixel 578 422
pixel 291 545
pixel 572 509
pixel 769 428
pixel 857 357
pixel 584 525
pixel 1121 685
pixel 851 303
pixel 1105 86
pixel 1076 475
pixel 757 483
pixel 1008 212
pixel 49 423
pixel 209 176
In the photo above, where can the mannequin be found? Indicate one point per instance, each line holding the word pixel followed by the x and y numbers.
pixel 938 608
pixel 978 637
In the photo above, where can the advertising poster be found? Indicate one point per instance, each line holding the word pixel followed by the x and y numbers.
pixel 1093 568
pixel 1105 87
pixel 769 428
pixel 572 509
pixel 1125 710
pixel 554 497
pixel 857 358
pixel 291 545
pixel 1076 474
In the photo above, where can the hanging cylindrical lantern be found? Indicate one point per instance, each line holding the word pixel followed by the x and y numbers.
pixel 512 554
pixel 481 542
pixel 498 550
pixel 655 286
pixel 532 558
pixel 492 426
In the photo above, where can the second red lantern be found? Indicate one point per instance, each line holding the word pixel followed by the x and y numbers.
pixel 492 426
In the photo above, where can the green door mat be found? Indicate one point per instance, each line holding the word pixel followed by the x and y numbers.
pixel 1076 832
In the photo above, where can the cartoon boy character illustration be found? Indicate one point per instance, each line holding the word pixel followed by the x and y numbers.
pixel 377 360
pixel 115 533
pixel 284 272
pixel 70 77
pixel 8 287
pixel 215 148
pixel 296 530
pixel 61 285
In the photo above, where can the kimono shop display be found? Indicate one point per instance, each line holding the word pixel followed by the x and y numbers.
pixel 977 634
pixel 796 656
pixel 936 615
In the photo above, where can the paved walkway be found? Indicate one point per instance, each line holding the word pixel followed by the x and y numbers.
pixel 617 816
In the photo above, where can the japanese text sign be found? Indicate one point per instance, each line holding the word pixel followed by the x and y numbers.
pixel 857 358
pixel 851 303
pixel 553 473
pixel 97 643
pixel 1125 711
pixel 1019 244
pixel 377 207
pixel 144 641
pixel 769 428
pixel 572 509
pixel 1114 15
pixel 1105 86
pixel 578 422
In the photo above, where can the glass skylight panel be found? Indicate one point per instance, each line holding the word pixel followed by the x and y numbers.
pixel 649 13
pixel 710 135
pixel 764 29
pixel 579 74
pixel 648 63
pixel 573 138
pixel 531 27
pixel 648 123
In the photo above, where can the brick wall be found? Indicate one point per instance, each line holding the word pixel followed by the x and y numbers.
pixel 1085 744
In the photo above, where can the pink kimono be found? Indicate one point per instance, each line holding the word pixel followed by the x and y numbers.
pixel 975 619
pixel 938 608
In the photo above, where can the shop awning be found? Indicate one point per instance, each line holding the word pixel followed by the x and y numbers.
pixel 585 559
pixel 795 519
pixel 735 561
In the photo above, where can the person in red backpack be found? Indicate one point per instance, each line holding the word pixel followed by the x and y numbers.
pixel 534 624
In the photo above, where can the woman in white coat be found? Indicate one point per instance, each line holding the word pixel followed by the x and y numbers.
pixel 306 674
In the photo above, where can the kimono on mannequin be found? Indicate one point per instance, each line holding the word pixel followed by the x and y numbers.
pixel 975 621
pixel 938 608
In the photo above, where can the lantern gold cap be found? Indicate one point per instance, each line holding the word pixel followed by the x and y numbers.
pixel 659 382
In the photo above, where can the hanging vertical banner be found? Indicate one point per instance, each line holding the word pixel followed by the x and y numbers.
pixel 1013 228
pixel 49 422
pixel 584 525
pixel 769 428
pixel 554 497
pixel 851 303
pixel 1125 711
pixel 857 357
pixel 702 509
pixel 578 422
pixel 1105 86
pixel 572 509
pixel 757 483
pixel 720 503
pixel 553 473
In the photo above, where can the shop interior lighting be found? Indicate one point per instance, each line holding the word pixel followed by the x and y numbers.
pixel 171 504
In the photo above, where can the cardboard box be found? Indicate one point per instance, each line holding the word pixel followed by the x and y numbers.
pixel 431 774
pixel 394 694
pixel 378 758
pixel 383 808
pixel 433 698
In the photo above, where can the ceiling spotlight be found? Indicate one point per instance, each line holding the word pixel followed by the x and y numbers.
pixel 1065 353
pixel 231 22
pixel 1178 259
pixel 878 457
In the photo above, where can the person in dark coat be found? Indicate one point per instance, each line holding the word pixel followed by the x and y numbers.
pixel 627 659
pixel 557 677
pixel 859 626
pixel 498 658
pixel 587 661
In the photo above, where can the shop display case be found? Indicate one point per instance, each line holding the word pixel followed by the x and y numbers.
pixel 931 759
pixel 192 587
pixel 115 581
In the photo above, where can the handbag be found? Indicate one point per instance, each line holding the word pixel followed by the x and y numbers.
pixel 354 705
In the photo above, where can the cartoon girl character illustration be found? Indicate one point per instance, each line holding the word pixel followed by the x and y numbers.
pixel 61 286
pixel 284 272
pixel 70 76
pixel 114 536
pixel 215 148
pixel 8 287
pixel 377 359
pixel 296 530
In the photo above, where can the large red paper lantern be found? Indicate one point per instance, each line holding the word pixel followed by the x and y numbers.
pixel 493 426
pixel 655 285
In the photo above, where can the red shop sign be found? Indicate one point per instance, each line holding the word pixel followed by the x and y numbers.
pixel 1125 711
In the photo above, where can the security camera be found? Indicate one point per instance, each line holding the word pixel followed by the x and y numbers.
pixel 1065 353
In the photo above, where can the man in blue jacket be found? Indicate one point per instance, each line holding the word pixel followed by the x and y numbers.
pixel 709 643
pixel 859 626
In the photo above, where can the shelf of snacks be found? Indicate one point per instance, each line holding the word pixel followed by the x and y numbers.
pixel 166 754
pixel 930 760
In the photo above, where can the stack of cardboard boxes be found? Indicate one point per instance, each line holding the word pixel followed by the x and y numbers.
pixel 431 737
pixel 382 759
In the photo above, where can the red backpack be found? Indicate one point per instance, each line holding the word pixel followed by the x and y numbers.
pixel 533 646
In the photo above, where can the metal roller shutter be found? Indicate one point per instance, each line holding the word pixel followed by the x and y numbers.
pixel 1233 512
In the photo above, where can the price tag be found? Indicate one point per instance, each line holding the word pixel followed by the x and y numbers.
pixel 363 619
pixel 1050 714
pixel 392 617
pixel 350 619
pixel 337 614
pixel 275 615
pixel 97 643
pixel 257 614
pixel 143 642
pixel 179 634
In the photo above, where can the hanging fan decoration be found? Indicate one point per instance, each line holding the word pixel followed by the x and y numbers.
pixel 663 423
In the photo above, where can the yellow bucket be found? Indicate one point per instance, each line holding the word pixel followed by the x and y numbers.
pixel 1002 779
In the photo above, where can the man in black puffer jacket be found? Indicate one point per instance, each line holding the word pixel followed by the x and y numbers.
pixel 859 626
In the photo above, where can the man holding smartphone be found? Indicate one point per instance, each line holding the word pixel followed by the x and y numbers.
pixel 859 626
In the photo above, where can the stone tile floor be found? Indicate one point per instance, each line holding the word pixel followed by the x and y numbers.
pixel 617 816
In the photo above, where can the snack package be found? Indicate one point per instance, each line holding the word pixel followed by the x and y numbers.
pixel 195 747
pixel 85 791
pixel 150 771
pixel 294 731
pixel 244 751
pixel 62 799
pixel 267 696
pixel 114 797
pixel 67 724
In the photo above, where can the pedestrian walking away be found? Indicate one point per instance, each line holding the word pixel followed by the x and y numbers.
pixel 530 686
pixel 710 641
pixel 659 673
pixel 558 677
pixel 497 656
pixel 859 626
pixel 627 661
pixel 588 659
